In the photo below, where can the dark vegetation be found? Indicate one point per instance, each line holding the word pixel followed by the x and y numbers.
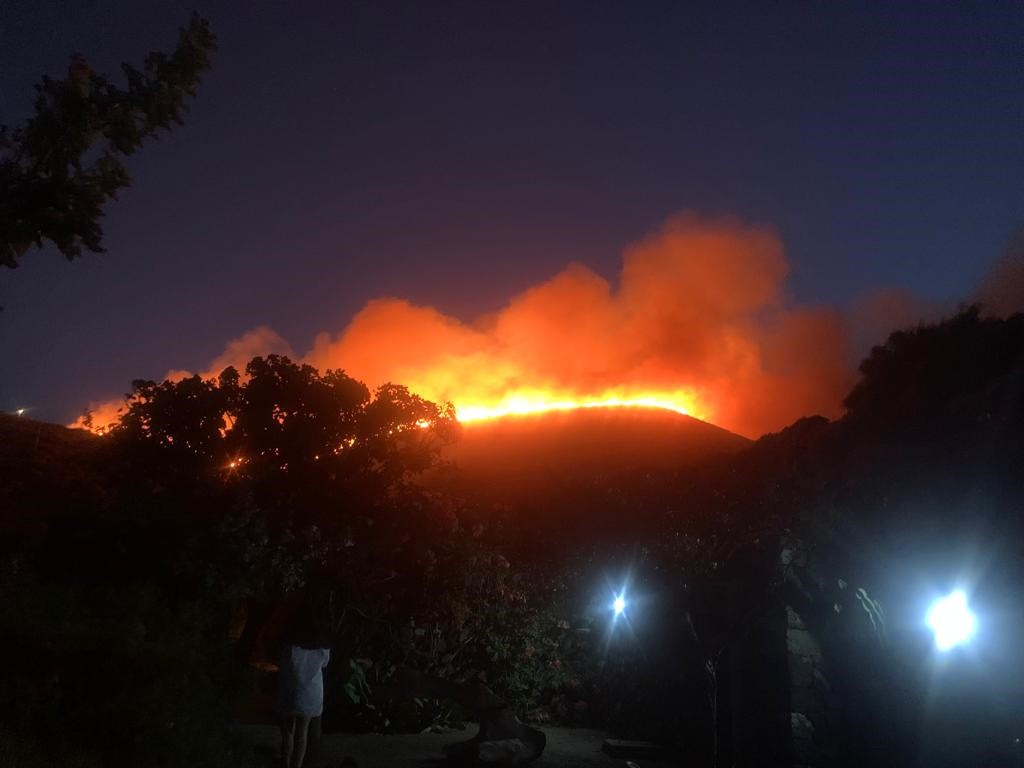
pixel 143 575
pixel 59 169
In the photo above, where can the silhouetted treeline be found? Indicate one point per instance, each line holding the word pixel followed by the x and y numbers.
pixel 143 573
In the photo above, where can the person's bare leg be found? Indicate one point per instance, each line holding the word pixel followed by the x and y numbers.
pixel 287 740
pixel 313 741
pixel 301 734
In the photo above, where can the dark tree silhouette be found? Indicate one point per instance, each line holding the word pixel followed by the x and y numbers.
pixel 59 169
pixel 284 419
pixel 921 373
pixel 124 561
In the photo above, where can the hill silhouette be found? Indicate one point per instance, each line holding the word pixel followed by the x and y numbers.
pixel 588 441
pixel 563 444
pixel 37 457
pixel 574 472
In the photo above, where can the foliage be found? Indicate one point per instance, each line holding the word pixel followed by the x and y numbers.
pixel 922 372
pixel 216 495
pixel 114 675
pixel 284 480
pixel 59 169
pixel 283 427
pixel 457 610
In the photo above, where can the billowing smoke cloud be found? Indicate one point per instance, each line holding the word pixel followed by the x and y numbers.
pixel 699 307
pixel 258 342
pixel 698 312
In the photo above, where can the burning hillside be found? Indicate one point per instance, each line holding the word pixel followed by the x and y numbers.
pixel 586 443
pixel 697 323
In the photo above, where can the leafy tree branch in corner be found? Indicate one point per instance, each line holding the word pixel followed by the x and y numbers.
pixel 59 169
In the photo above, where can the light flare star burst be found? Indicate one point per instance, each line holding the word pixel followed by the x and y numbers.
pixel 951 620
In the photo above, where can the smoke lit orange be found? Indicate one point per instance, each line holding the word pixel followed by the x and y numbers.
pixel 698 322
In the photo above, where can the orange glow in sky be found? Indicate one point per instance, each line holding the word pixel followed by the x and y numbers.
pixel 697 322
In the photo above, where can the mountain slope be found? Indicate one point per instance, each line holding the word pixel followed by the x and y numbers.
pixel 34 451
pixel 587 442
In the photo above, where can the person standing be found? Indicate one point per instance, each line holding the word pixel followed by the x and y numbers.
pixel 300 687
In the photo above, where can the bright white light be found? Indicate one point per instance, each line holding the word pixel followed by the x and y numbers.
pixel 619 605
pixel 951 621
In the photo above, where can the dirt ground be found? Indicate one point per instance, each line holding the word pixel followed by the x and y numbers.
pixel 567 747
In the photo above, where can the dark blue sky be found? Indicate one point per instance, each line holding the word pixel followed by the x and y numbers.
pixel 455 153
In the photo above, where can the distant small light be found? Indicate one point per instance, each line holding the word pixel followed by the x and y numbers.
pixel 951 621
pixel 619 605
pixel 20 412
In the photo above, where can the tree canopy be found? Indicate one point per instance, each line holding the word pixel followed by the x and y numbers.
pixel 59 169
pixel 923 372
pixel 284 420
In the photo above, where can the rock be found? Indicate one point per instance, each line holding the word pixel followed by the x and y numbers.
pixel 502 739
pixel 802 643
pixel 793 620
pixel 505 752
pixel 805 751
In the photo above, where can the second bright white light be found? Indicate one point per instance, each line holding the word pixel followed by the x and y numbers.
pixel 951 620
pixel 619 605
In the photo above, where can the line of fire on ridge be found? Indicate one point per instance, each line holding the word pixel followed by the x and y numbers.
pixel 468 413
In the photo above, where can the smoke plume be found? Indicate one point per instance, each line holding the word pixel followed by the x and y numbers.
pixel 698 315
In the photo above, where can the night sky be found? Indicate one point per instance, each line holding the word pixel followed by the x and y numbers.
pixel 456 153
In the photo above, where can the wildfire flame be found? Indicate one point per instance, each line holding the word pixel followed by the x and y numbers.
pixel 697 323
pixel 531 402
